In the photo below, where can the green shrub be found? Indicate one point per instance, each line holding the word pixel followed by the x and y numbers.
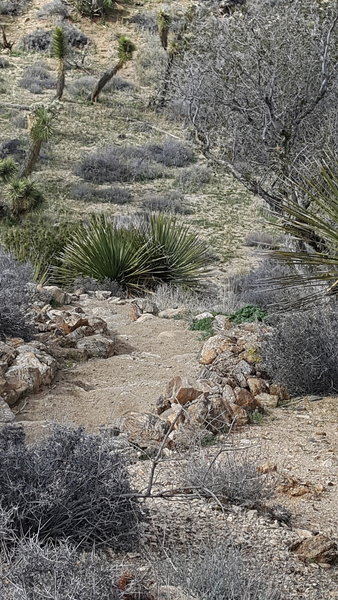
pixel 94 8
pixel 23 196
pixel 161 250
pixel 248 313
pixel 7 169
pixel 203 325
pixel 40 242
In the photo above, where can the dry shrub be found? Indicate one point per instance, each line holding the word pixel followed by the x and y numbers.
pixel 170 202
pixel 89 193
pixel 37 78
pixel 301 352
pixel 16 292
pixel 71 487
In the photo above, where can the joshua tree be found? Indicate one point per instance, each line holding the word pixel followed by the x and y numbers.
pixel 164 22
pixel 59 51
pixel 41 131
pixel 23 196
pixel 126 48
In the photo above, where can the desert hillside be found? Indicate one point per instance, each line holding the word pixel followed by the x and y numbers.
pixel 168 300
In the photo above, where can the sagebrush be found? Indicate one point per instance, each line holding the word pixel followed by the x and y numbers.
pixel 16 295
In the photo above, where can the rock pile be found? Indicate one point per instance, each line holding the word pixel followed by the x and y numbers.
pixel 231 387
pixel 62 334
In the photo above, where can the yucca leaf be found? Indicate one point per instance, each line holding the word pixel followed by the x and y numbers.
pixel 59 44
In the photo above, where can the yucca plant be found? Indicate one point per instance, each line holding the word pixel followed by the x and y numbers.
pixel 125 52
pixel 164 22
pixel 41 131
pixel 94 8
pixel 8 169
pixel 59 49
pixel 316 230
pixel 23 196
pixel 137 259
pixel 181 254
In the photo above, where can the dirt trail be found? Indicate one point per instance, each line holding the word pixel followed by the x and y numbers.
pixel 98 391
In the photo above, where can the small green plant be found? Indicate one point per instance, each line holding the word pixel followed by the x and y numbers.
pixel 23 196
pixel 8 169
pixel 256 418
pixel 59 50
pixel 39 242
pixel 204 326
pixel 247 314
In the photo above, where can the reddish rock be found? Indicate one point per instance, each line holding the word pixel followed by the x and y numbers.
pixel 245 399
pixel 257 385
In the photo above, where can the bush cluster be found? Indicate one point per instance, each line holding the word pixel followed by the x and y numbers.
pixel 56 7
pixel 57 572
pixel 14 148
pixel 133 163
pixel 170 202
pixel 301 351
pixel 192 178
pixel 90 193
pixel 40 39
pixel 16 294
pixel 36 78
pixel 39 241
pixel 4 63
pixel 94 8
pixel 12 7
pixel 72 486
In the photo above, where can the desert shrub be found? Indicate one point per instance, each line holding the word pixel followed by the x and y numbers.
pixel 40 39
pixel 145 21
pixel 13 147
pixel 39 241
pixel 261 288
pixel 161 250
pixel 118 163
pixel 192 178
pixel 247 314
pixel 301 351
pixel 56 7
pixel 12 7
pixel 36 78
pixel 83 86
pixel 56 572
pixel 170 202
pixel 94 8
pixel 37 41
pixel 233 477
pixel 69 487
pixel 220 572
pixel 113 195
pixel 262 239
pixel 4 63
pixel 23 196
pixel 15 297
pixel 170 153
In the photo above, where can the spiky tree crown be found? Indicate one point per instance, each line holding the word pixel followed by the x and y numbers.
pixel 163 19
pixel 7 169
pixel 59 43
pixel 42 128
pixel 126 48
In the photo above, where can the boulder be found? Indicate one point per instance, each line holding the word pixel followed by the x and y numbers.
pixel 257 385
pixel 52 292
pixel 7 355
pixel 172 313
pixel 317 548
pixel 267 400
pixel 228 394
pixel 245 399
pixel 211 413
pixel 214 346
pixel 182 390
pixel 241 371
pixel 6 415
pixel 97 346
pixel 171 592
pixel 162 404
pixel 202 316
pixel 281 391
pixel 32 369
pixel 221 323
pixel 142 428
pixel 102 295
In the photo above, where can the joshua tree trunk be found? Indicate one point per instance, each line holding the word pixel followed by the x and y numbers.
pixel 60 85
pixel 164 32
pixel 107 76
pixel 31 158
